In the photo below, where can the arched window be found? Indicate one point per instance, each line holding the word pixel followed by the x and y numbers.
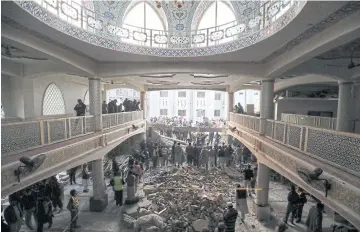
pixel 53 101
pixel 139 19
pixel 218 14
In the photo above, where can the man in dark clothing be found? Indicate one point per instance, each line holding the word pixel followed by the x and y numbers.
pixel 211 137
pixel 104 108
pixel 56 194
pixel 196 157
pixel 228 154
pixel 301 203
pixel 248 175
pixel 73 207
pixel 315 217
pixel 221 155
pixel 72 173
pixel 189 151
pixel 293 199
pixel 173 153
pixel 230 217
pixel 13 214
pixel 43 210
pixel 28 204
pixel 80 108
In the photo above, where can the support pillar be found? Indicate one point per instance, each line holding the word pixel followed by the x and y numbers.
pixel 104 94
pixel 230 104
pixel 95 102
pixel 261 203
pixel 266 103
pixel 345 110
pixel 99 200
pixel 229 139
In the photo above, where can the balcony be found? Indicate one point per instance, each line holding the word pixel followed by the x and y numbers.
pixel 64 143
pixel 291 149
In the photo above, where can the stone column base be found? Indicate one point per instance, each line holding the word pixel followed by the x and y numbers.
pixel 98 205
pixel 262 212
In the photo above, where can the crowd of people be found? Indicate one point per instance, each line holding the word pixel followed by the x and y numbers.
pixel 40 201
pixel 179 121
pixel 125 106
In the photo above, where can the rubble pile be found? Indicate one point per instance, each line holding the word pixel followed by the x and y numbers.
pixel 184 200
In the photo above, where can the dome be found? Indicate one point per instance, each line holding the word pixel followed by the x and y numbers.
pixel 167 28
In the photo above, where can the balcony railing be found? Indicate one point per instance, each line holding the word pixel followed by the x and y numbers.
pixel 336 148
pixel 313 121
pixel 22 136
pixel 79 16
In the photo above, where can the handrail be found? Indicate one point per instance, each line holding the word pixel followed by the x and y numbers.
pixel 80 16
pixel 340 149
pixel 22 136
pixel 314 121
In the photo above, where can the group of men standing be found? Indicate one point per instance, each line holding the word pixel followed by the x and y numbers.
pixel 40 201
pixel 126 106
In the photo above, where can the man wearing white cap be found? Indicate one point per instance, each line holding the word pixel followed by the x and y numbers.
pixel 230 216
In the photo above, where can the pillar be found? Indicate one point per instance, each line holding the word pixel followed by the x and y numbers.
pixel 103 94
pixel 345 109
pixel 230 104
pixel 95 102
pixel 229 139
pixel 143 102
pixel 99 200
pixel 266 103
pixel 262 208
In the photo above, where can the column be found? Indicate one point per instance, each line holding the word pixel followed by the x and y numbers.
pixel 95 102
pixel 262 208
pixel 143 103
pixel 266 103
pixel 230 104
pixel 345 109
pixel 99 200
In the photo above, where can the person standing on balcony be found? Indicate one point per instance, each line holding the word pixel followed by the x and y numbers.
pixel 85 178
pixel 80 108
pixel 104 108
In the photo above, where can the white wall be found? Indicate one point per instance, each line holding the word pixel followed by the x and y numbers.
pixel 304 105
pixel 191 103
pixel 72 89
pixel 248 96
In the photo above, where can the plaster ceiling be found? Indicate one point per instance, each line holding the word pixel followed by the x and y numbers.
pixel 17 55
pixel 343 52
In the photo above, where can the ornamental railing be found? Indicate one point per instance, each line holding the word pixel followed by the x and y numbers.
pixel 250 122
pixel 113 120
pixel 71 11
pixel 336 148
pixel 313 121
pixel 22 136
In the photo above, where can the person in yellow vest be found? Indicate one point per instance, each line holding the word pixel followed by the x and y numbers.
pixel 118 182
pixel 73 207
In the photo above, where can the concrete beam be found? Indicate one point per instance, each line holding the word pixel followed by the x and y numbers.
pixel 34 45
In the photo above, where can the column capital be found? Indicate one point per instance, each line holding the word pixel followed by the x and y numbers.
pixel 268 80
pixel 95 78
pixel 345 82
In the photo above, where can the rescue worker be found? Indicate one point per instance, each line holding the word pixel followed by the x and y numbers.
pixel 73 207
pixel 118 182
pixel 230 217
pixel 205 157
pixel 301 203
pixel 293 199
pixel 178 155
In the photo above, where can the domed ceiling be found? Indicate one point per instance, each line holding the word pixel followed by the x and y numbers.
pixel 167 28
